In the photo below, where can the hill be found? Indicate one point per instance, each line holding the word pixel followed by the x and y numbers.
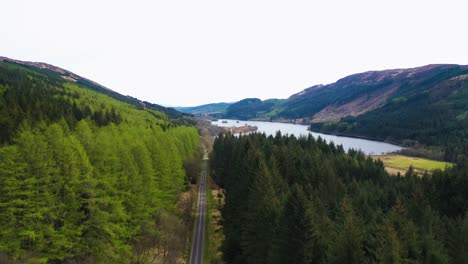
pixel 55 72
pixel 208 109
pixel 360 93
pixel 87 175
pixel 429 106
pixel 252 108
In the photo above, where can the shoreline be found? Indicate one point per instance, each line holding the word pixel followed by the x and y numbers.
pixel 325 133
pixel 358 137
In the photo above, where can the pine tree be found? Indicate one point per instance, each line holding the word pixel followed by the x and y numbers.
pixel 297 240
pixel 261 217
pixel 347 246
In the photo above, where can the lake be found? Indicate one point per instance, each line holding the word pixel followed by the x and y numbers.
pixel 369 147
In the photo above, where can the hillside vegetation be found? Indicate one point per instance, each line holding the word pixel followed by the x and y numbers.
pixel 428 111
pixel 85 177
pixel 252 108
pixel 300 200
pixel 208 109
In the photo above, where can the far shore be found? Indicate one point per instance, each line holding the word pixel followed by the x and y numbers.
pixel 241 129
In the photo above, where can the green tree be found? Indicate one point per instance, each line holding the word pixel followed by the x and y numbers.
pixel 347 246
pixel 261 219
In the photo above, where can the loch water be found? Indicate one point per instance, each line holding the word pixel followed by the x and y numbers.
pixel 369 147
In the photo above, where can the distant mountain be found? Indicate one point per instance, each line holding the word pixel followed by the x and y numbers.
pixel 211 109
pixel 253 108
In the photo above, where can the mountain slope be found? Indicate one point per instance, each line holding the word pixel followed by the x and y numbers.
pixel 360 93
pixel 84 177
pixel 430 112
pixel 59 73
pixel 253 108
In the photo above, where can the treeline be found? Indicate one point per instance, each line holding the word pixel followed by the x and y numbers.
pixel 86 178
pixel 301 200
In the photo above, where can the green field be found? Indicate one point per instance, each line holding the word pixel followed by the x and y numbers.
pixel 400 163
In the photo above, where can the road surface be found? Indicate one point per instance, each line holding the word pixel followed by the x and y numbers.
pixel 199 236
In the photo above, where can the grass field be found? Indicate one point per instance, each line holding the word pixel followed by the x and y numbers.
pixel 400 163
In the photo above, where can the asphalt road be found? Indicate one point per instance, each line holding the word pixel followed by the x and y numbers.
pixel 199 236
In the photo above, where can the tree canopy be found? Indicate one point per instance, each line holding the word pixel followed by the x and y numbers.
pixel 82 174
pixel 301 200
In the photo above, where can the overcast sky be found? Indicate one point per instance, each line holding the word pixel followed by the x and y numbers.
pixel 182 53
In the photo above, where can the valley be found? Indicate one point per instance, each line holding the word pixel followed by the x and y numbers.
pixel 234 132
pixel 88 175
pixel 410 107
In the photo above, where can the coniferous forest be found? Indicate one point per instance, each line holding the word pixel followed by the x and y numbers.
pixel 84 178
pixel 301 200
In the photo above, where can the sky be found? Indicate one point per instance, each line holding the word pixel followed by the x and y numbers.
pixel 186 53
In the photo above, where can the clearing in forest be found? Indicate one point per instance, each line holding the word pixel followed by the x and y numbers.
pixel 401 163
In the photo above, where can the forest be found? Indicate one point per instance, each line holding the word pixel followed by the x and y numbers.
pixel 91 176
pixel 85 178
pixel 302 200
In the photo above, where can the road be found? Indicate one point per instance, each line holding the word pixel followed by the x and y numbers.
pixel 199 236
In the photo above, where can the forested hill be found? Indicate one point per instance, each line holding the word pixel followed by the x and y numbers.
pixel 428 108
pixel 211 109
pixel 86 177
pixel 59 73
